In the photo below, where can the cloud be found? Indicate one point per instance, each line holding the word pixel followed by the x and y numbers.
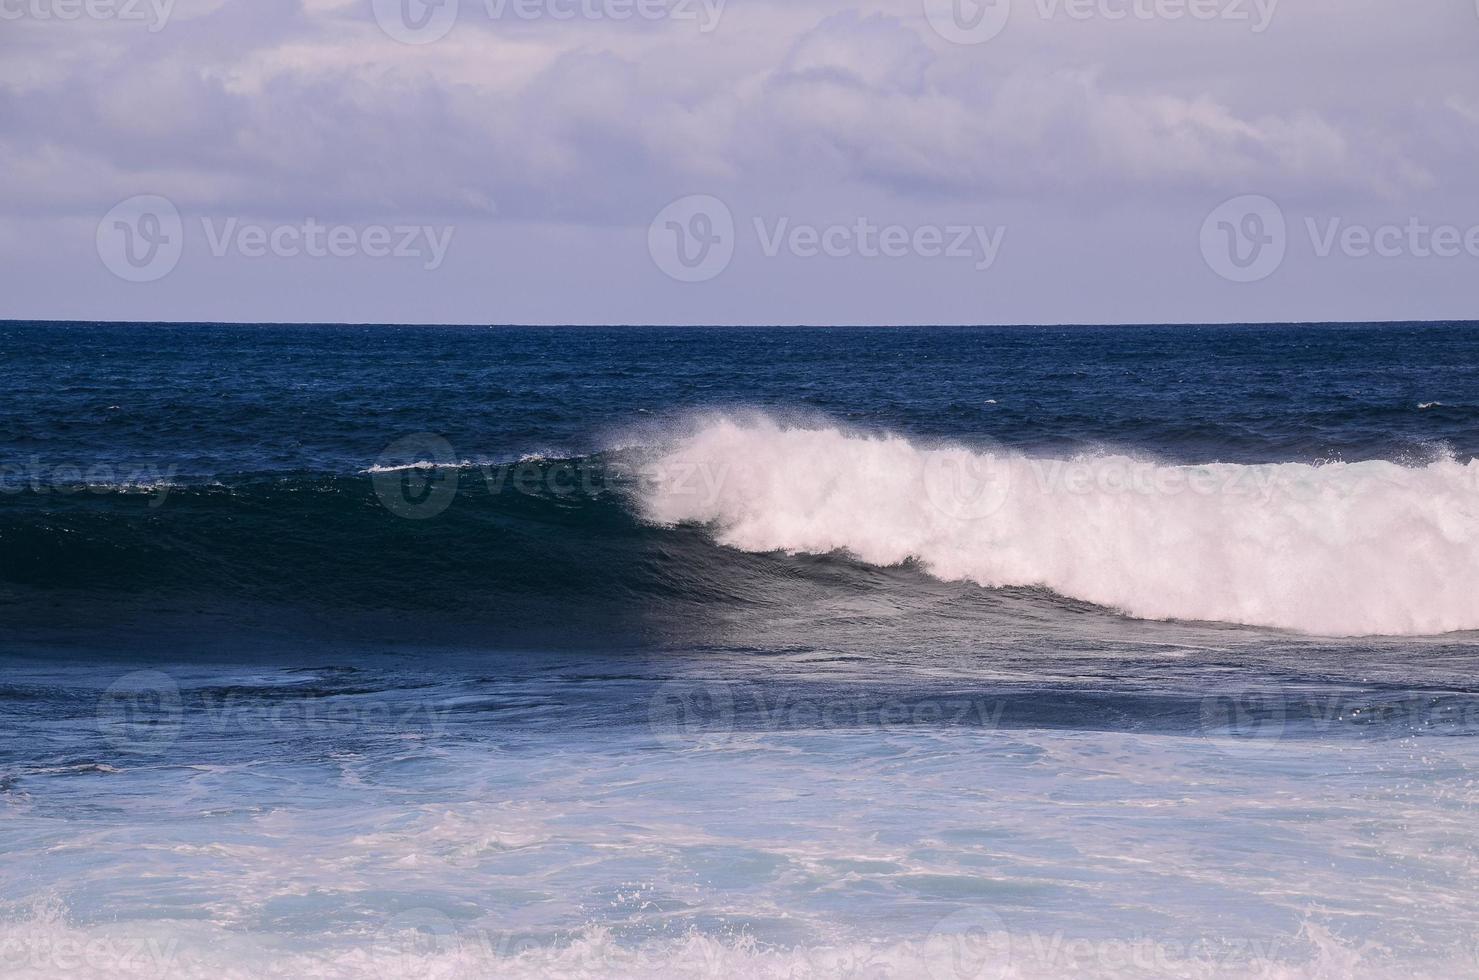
pixel 311 105
pixel 280 109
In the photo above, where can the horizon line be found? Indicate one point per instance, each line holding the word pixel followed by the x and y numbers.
pixel 8 321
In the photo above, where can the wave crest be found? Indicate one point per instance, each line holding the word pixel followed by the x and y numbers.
pixel 1338 549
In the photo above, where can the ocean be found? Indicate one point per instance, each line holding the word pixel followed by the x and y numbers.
pixel 418 652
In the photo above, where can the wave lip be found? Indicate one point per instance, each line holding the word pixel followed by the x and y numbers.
pixel 1337 549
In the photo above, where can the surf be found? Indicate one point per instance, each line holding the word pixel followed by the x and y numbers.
pixel 1371 548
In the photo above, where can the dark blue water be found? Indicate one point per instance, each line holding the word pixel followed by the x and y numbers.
pixel 225 466
pixel 230 401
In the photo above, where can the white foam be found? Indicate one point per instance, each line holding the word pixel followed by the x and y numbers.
pixel 424 464
pixel 482 462
pixel 46 947
pixel 1338 549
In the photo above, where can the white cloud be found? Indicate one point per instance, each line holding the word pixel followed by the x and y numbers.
pixel 293 107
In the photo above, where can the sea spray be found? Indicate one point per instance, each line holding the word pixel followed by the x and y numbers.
pixel 1340 549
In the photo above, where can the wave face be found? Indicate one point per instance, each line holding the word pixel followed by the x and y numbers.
pixel 1367 548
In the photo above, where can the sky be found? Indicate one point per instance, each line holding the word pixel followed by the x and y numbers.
pixel 739 161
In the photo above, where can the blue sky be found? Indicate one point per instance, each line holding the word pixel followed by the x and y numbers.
pixel 545 161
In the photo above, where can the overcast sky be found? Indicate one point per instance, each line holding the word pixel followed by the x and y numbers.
pixel 744 161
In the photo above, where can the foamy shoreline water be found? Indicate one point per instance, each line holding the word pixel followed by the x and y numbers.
pixel 48 949
pixel 466 820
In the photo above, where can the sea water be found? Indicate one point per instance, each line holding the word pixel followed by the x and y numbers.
pixel 337 651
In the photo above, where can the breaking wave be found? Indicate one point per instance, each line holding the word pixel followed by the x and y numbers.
pixel 1338 549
